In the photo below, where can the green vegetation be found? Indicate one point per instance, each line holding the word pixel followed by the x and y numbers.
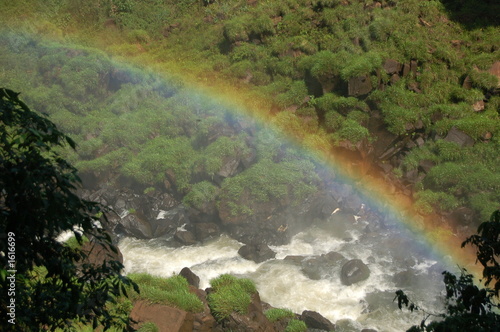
pixel 296 325
pixel 148 327
pixel 276 314
pixel 37 204
pixel 172 291
pixel 294 59
pixel 230 294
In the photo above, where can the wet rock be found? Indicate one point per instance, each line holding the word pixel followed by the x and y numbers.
pixel 315 320
pixel 191 278
pixel 457 136
pixel 185 237
pixel 204 231
pixel 257 253
pixel 136 226
pixel 322 206
pixel 294 259
pixel 167 222
pixel 358 86
pixel 368 330
pixel 319 267
pixel 353 272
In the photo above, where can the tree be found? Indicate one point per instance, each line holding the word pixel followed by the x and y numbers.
pixel 468 307
pixel 45 283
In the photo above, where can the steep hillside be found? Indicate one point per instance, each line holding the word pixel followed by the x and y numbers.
pixel 406 90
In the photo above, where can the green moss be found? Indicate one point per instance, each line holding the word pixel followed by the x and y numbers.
pixel 296 325
pixel 266 180
pixel 148 327
pixel 171 291
pixel 428 201
pixel 230 294
pixel 201 193
pixel 75 243
pixel 276 314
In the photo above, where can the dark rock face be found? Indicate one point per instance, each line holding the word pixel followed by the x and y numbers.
pixel 457 136
pixel 257 253
pixel 358 86
pixel 204 231
pixel 353 272
pixel 191 278
pixel 315 320
pixel 185 237
pixel 136 226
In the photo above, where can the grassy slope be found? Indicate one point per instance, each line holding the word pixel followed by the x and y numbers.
pixel 291 52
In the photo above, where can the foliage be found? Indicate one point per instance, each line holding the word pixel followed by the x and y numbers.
pixel 468 307
pixel 38 203
pixel 200 193
pixel 230 294
pixel 295 325
pixel 148 327
pixel 276 314
pixel 172 291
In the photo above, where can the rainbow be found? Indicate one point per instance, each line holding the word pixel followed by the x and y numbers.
pixel 428 232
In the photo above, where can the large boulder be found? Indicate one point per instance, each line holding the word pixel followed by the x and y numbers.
pixel 353 272
pixel 191 278
pixel 256 252
pixel 315 320
pixel 134 225
pixel 324 266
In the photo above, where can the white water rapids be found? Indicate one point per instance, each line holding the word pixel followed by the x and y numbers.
pixel 367 304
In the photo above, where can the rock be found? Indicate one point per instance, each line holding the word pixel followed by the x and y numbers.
pixel 229 168
pixel 166 318
pixel 191 278
pixel 294 259
pixel 457 136
pixel 322 206
pixel 358 86
pixel 478 106
pixel 368 330
pixel 425 165
pixel 406 69
pixel 319 267
pixel 97 254
pixel 315 320
pixel 253 321
pixel 353 272
pixel 394 78
pixel 206 230
pixel 467 83
pixel 392 66
pixel 257 253
pixel 136 226
pixel 167 221
pixel 185 237
pixel 495 70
